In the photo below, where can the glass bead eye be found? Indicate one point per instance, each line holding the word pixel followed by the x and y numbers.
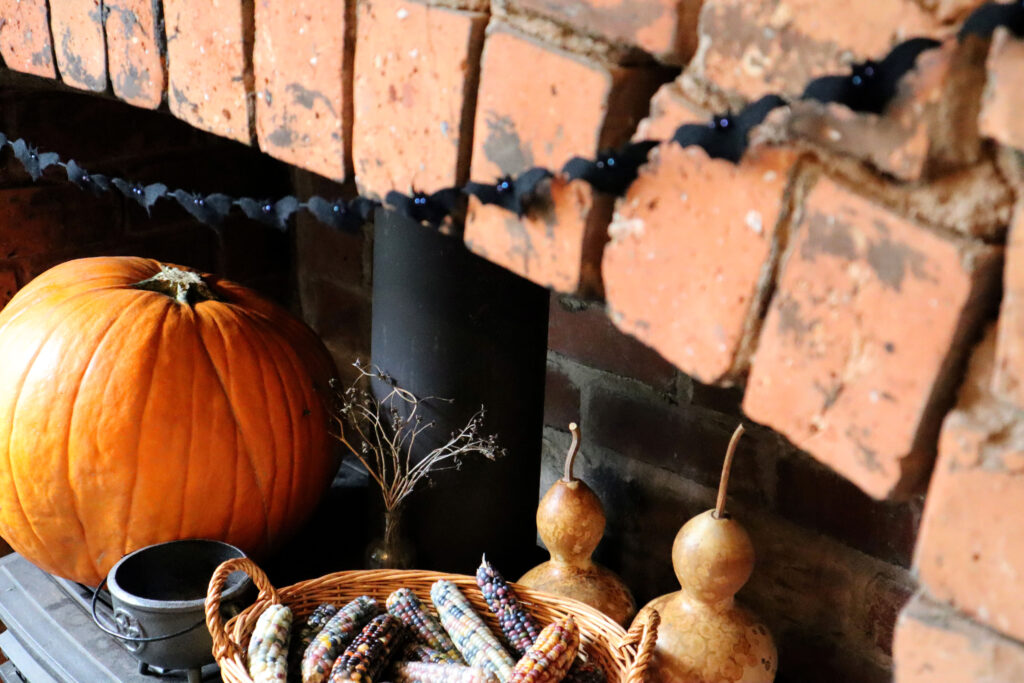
pixel 505 184
pixel 268 207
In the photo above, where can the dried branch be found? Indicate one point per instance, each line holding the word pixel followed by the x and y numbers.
pixel 382 433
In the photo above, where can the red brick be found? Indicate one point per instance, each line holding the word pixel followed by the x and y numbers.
pixel 898 143
pixel 558 245
pixel 1008 379
pixel 583 333
pixel 8 285
pixel 25 37
pixel 683 271
pixel 951 10
pixel 77 27
pixel 936 645
pixel 1003 98
pixel 663 28
pixel 301 75
pixel 414 95
pixel 41 220
pixel 752 47
pixel 670 108
pixel 967 552
pixel 134 56
pixel 206 69
pixel 540 106
pixel 858 350
pixel 561 398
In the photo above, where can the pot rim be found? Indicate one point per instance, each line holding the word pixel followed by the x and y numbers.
pixel 136 602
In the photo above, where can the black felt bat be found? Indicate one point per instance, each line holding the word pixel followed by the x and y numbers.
pixel 93 182
pixel 425 208
pixel 34 161
pixel 513 195
pixel 613 171
pixel 984 20
pixel 145 195
pixel 870 85
pixel 726 135
pixel 274 214
pixel 210 209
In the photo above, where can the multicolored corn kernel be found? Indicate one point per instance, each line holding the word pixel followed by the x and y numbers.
pixel 550 658
pixel 585 672
pixel 314 624
pixel 420 672
pixel 519 627
pixel 415 651
pixel 475 641
pixel 337 633
pixel 268 645
pixel 424 626
pixel 370 652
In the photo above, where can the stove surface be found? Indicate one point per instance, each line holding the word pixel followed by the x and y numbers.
pixel 51 637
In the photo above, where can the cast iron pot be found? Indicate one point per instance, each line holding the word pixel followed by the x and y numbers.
pixel 158 595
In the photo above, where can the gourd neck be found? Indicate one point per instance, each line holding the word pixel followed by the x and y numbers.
pixel 184 286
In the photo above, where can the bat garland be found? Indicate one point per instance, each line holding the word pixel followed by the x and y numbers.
pixel 869 87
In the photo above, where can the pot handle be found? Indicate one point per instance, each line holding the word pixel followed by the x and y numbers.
pixel 223 646
pixel 130 638
pixel 644 634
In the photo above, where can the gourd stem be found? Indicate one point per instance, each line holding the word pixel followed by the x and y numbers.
pixel 574 448
pixel 723 485
pixel 183 286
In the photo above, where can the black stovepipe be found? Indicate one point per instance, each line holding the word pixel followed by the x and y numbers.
pixel 447 323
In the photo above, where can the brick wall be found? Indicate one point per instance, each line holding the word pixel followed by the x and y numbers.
pixel 833 287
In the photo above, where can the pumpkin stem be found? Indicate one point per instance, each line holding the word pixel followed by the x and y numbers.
pixel 574 448
pixel 184 286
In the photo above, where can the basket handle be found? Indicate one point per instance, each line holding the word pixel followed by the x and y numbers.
pixel 644 634
pixel 224 647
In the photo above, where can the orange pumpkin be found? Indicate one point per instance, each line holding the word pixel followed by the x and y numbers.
pixel 142 403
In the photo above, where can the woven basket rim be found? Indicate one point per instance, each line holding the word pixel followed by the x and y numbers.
pixel 623 654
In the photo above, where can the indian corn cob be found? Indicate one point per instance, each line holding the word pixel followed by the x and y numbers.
pixel 268 645
pixel 338 632
pixel 314 623
pixel 551 656
pixel 471 635
pixel 370 652
pixel 519 627
pixel 404 604
pixel 585 672
pixel 415 651
pixel 420 672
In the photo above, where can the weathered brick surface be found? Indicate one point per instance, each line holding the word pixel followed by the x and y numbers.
pixel 540 106
pixel 664 28
pixel 936 645
pixel 900 142
pixel 135 56
pixel 1008 379
pixel 25 37
pixel 561 398
pixel 414 95
pixel 967 552
pixel 298 64
pixel 77 27
pixel 1003 98
pixel 557 245
pixel 867 323
pixel 708 257
pixel 206 70
pixel 753 47
pixel 39 220
pixel 670 108
pixel 583 333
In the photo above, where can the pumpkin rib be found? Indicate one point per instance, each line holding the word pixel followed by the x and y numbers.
pixel 134 495
pixel 238 425
pixel 71 421
pixel 40 543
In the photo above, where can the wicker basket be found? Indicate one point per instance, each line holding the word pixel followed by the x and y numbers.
pixel 623 655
